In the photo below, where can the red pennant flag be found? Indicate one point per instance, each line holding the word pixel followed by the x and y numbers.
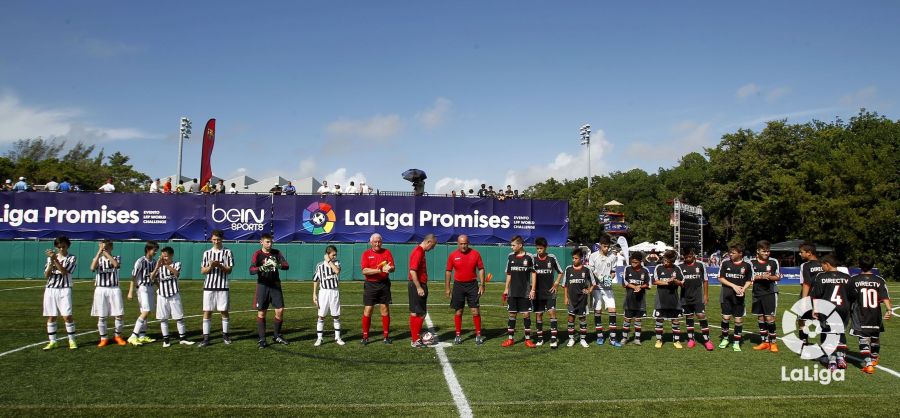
pixel 209 140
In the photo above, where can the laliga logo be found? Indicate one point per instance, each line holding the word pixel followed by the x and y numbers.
pixel 318 218
pixel 811 327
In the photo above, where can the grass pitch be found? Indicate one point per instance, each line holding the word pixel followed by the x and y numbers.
pixel 396 380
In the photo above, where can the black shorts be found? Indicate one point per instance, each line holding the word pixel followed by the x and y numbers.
pixel 268 295
pixel 630 313
pixel 377 293
pixel 693 308
pixel 542 305
pixel 518 305
pixel 579 308
pixel 765 304
pixel 417 304
pixel 733 306
pixel 667 313
pixel 464 292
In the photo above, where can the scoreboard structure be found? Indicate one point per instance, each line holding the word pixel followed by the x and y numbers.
pixel 687 225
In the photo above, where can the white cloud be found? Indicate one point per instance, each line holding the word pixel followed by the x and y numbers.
pixel 379 127
pixel 340 176
pixel 447 184
pixel 564 165
pixel 436 115
pixel 777 93
pixel 746 91
pixel 686 136
pixel 779 116
pixel 307 168
pixel 860 98
pixel 19 121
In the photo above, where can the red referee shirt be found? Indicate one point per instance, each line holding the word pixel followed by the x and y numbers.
pixel 465 266
pixel 417 263
pixel 371 259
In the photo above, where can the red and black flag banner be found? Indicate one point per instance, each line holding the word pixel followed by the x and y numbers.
pixel 209 140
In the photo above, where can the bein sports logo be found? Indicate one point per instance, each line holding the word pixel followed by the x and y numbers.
pixel 812 328
pixel 318 218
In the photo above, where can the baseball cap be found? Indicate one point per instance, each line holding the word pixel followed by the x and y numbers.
pixel 21 178
pixel 8 181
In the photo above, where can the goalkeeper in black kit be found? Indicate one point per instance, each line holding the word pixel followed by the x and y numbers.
pixel 265 265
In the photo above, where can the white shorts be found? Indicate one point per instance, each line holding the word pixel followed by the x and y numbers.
pixel 146 296
pixel 215 301
pixel 169 307
pixel 329 302
pixel 603 297
pixel 58 301
pixel 107 302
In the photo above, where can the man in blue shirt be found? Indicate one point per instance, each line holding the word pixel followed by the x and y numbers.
pixel 65 186
pixel 21 186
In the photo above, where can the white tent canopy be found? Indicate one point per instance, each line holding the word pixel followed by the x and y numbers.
pixel 649 246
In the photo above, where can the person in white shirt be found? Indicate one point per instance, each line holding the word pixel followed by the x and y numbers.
pixel 337 189
pixel 108 187
pixel 603 268
pixel 352 189
pixel 52 185
pixel 194 187
pixel 232 189
pixel 324 189
pixel 154 187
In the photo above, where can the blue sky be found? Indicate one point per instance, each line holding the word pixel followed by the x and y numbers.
pixel 470 92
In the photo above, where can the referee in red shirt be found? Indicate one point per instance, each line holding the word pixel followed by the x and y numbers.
pixel 418 288
pixel 466 264
pixel 377 264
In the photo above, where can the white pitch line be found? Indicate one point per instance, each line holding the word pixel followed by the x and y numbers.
pixel 459 398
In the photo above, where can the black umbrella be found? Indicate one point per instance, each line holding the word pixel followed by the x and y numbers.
pixel 414 175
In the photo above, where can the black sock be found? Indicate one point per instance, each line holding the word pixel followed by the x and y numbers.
pixel 511 327
pixel 690 328
pixel 598 325
pixel 676 331
pixel 612 326
pixel 553 330
pixel 278 322
pixel 773 336
pixel 540 329
pixel 704 329
pixel 527 323
pixel 261 328
pixel 763 331
pixel 725 327
pixel 658 328
pixel 738 332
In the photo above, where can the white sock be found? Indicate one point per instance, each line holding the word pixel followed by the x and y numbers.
pixel 101 326
pixel 51 331
pixel 119 325
pixel 320 327
pixel 206 327
pixel 337 328
pixel 138 326
pixel 70 329
pixel 182 330
pixel 144 329
pixel 224 325
pixel 164 327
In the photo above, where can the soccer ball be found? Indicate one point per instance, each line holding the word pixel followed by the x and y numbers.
pixel 318 218
pixel 428 338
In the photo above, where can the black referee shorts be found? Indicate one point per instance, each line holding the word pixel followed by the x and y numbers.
pixel 377 293
pixel 268 295
pixel 464 292
pixel 417 304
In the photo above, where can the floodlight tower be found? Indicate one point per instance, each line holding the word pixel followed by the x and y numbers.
pixel 185 134
pixel 586 140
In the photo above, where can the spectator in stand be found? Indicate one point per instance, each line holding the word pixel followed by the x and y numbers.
pixel 290 189
pixel 651 260
pixel 490 192
pixel 516 194
pixel 352 189
pixel 108 187
pixel 483 191
pixel 509 191
pixel 179 189
pixel 471 193
pixel 194 187
pixel 52 185
pixel 337 190
pixel 76 188
pixel 220 187
pixel 207 188
pixel 20 186
pixel 154 186
pixel 363 188
pixel 501 196
pixel 324 189
pixel 7 187
pixel 167 187
pixel 276 190
pixel 65 186
pixel 453 193
pixel 233 189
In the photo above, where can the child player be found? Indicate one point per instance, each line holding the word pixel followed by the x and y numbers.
pixel 668 278
pixel 695 297
pixel 140 276
pixel 168 298
pixel 265 264
pixel 870 292
pixel 107 295
pixel 579 283
pixel 735 276
pixel 636 280
pixel 833 286
pixel 549 273
pixel 603 266
pixel 326 296
pixel 519 291
pixel 766 274
pixel 58 294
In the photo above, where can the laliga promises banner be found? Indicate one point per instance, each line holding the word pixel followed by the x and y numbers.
pixel 408 219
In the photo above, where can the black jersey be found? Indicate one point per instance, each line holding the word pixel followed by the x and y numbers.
pixel 519 268
pixel 736 273
pixel 667 295
pixel 809 270
pixel 835 287
pixel 694 279
pixel 266 265
pixel 546 269
pixel 764 287
pixel 639 277
pixel 870 290
pixel 575 280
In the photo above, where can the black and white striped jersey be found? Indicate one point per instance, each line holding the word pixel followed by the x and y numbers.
pixel 326 276
pixel 168 280
pixel 107 275
pixel 217 279
pixel 61 279
pixel 142 269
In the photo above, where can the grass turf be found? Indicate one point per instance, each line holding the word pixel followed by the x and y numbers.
pixel 396 380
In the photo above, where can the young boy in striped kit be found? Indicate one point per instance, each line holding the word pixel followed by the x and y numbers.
pixel 140 278
pixel 58 294
pixel 107 295
pixel 326 296
pixel 168 298
pixel 216 265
